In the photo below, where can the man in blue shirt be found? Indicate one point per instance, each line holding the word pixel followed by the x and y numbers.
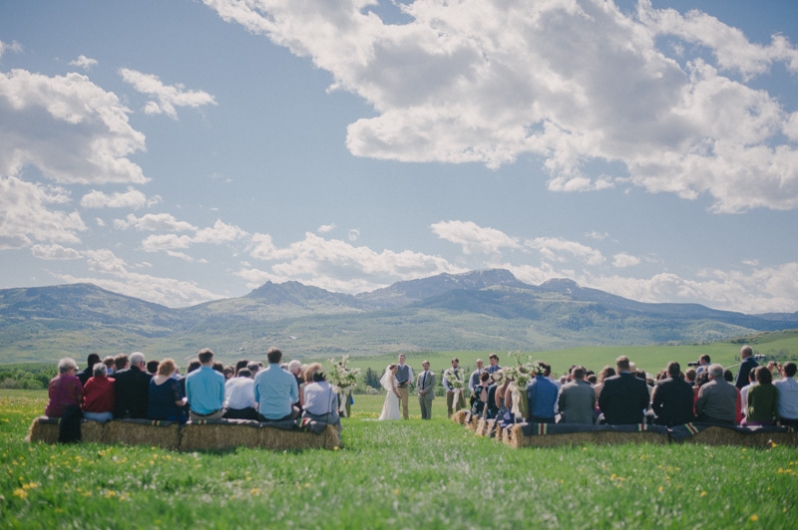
pixel 205 390
pixel 542 397
pixel 276 390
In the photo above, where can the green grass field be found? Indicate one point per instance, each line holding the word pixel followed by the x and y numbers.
pixel 409 474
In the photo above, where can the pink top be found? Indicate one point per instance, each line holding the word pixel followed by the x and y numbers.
pixel 65 390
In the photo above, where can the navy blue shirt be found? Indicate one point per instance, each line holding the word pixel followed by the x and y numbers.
pixel 542 396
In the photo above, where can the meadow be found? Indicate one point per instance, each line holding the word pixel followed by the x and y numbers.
pixel 406 474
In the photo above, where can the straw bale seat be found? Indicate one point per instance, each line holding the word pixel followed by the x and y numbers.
pixel 45 429
pixel 554 435
pixel 754 436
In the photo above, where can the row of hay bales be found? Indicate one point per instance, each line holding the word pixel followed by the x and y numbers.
pixel 190 436
pixel 515 437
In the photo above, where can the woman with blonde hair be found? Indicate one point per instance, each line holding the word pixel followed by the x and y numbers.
pixel 166 400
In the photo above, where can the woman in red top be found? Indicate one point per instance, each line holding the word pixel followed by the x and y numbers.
pixel 65 389
pixel 99 396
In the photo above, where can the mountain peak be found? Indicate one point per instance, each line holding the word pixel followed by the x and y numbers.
pixel 560 285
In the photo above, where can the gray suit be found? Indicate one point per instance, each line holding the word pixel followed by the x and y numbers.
pixel 425 400
pixel 577 402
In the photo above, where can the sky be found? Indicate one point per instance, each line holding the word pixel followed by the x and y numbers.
pixel 183 151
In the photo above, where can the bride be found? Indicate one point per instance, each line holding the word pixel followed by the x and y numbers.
pixel 390 409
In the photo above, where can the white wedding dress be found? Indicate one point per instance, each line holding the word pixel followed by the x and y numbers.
pixel 390 408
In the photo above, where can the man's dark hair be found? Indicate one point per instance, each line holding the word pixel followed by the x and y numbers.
pixel 704 358
pixel 218 366
pixel 484 376
pixel 622 363
pixel 493 356
pixel 152 366
pixel 789 369
pixel 92 360
pixel 241 365
pixel 274 355
pixel 205 356
pixel 674 370
pixel 244 373
pixel 578 372
pixel 456 360
pixel 763 375
pixel 120 361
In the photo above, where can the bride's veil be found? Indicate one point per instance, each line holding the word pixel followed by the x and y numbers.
pixel 385 381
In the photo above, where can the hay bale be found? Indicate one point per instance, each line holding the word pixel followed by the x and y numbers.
pixel 617 438
pixel 197 436
pixel 91 432
pixel 514 437
pixel 142 432
pixel 281 440
pixel 43 430
pixel 460 416
pixel 762 440
pixel 481 428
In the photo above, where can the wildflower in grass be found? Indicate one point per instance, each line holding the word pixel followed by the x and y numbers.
pixel 21 493
pixel 254 492
pixel 703 493
pixel 754 518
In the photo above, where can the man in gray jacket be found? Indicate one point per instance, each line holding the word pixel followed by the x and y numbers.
pixel 717 400
pixel 577 399
pixel 426 391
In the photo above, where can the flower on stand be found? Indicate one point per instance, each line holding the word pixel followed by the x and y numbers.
pixel 343 379
pixel 519 376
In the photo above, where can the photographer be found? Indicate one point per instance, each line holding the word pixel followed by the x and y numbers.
pixel 788 394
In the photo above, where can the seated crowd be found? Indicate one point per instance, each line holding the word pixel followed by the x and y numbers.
pixel 625 395
pixel 132 388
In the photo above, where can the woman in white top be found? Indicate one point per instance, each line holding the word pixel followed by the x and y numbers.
pixel 321 399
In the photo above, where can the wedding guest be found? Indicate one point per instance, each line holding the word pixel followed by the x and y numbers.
pixel 165 400
pixel 624 397
pixel 240 365
pixel 738 407
pixel 492 408
pixel 295 369
pixel 64 389
pixel 254 368
pixel 473 380
pixel 193 365
pixel 239 397
pixel 110 365
pixel 748 364
pixel 541 395
pixel 205 389
pixel 88 372
pixel 672 401
pixel 703 363
pixel 717 399
pixel 321 401
pixel 493 359
pixel 453 404
pixel 577 399
pixel 426 390
pixel 276 390
pixel 218 366
pixel 504 400
pixel 152 367
pixel 228 372
pixel 99 395
pixel 690 376
pixel 132 389
pixel 404 377
pixel 747 388
pixel 607 371
pixel 121 362
pixel 763 400
pixel 788 395
pixel 481 393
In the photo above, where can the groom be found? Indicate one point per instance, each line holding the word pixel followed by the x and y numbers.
pixel 404 376
pixel 426 391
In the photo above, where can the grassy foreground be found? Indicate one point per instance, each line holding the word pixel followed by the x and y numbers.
pixel 390 475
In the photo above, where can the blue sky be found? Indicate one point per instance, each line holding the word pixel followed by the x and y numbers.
pixel 184 151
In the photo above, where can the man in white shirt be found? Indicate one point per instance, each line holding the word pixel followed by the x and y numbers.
pixel 788 394
pixel 404 376
pixel 239 397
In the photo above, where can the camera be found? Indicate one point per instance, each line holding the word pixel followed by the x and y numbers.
pixel 692 363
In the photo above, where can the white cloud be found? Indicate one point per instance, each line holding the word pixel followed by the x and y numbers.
pixel 166 291
pixel 14 47
pixel 573 82
pixel 161 222
pixel 132 198
pixel 83 62
pixel 158 242
pixel 353 235
pixel 54 252
pixel 598 236
pixel 27 214
pixel 556 249
pixel 219 233
pixel 99 222
pixel 623 260
pixel 323 229
pixel 69 128
pixel 473 238
pixel 339 266
pixel 168 96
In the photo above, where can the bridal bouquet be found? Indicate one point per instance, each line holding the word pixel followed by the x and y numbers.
pixel 343 379
pixel 456 384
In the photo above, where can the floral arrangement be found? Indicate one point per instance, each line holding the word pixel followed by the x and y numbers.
pixel 343 380
pixel 519 377
pixel 455 383
pixel 340 375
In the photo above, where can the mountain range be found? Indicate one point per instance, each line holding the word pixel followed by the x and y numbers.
pixel 479 310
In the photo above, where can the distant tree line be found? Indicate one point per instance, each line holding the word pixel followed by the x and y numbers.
pixel 27 377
